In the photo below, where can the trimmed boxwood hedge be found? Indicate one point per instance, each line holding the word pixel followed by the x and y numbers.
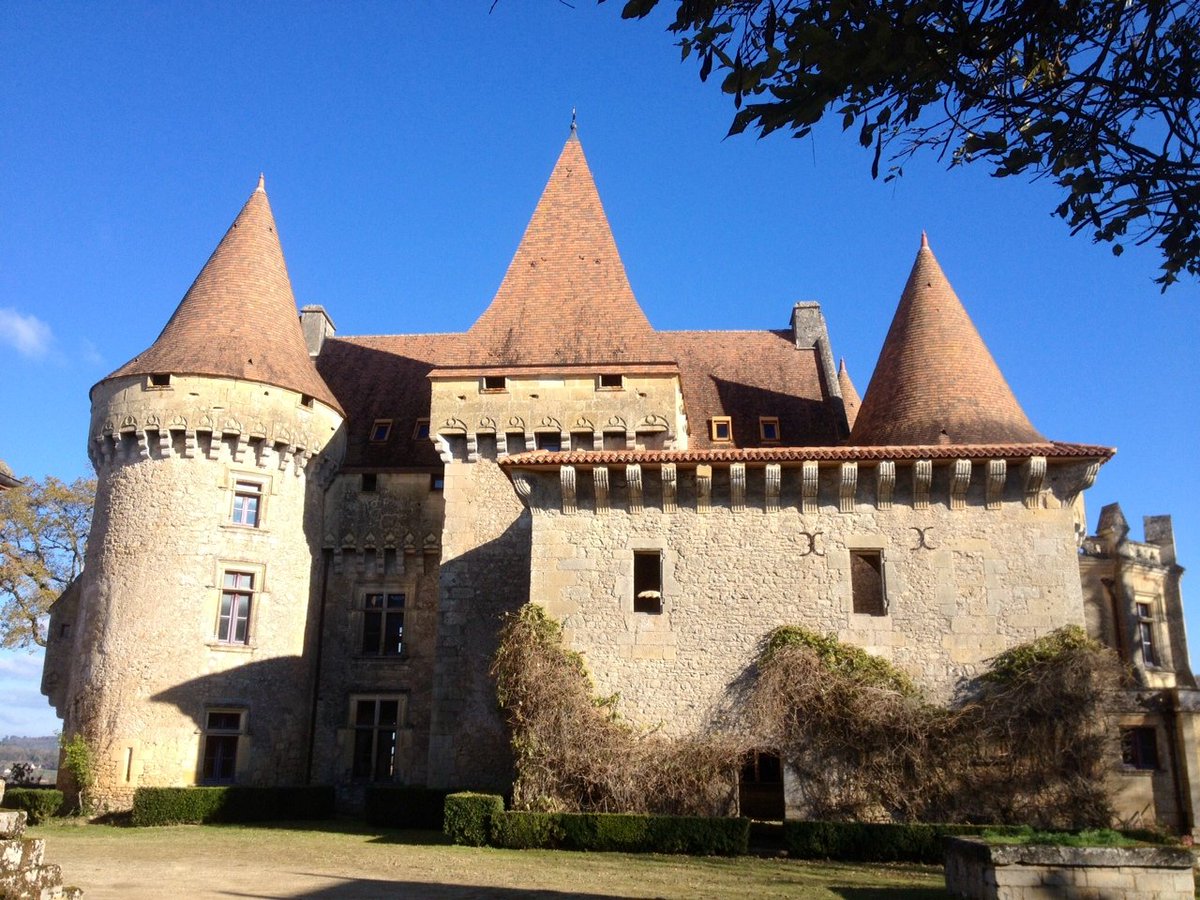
pixel 874 841
pixel 39 803
pixel 399 806
pixel 628 833
pixel 468 817
pixel 196 805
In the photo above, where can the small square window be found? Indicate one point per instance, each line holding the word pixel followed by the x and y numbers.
pixel 614 440
pixel 306 400
pixel 381 431
pixel 160 380
pixel 247 503
pixel 583 440
pixel 370 483
pixel 647 581
pixel 721 429
pixel 610 382
pixel 866 583
pixel 768 429
pixel 437 482
pixel 549 440
pixel 1139 748
pixel 494 383
pixel 515 442
pixel 421 430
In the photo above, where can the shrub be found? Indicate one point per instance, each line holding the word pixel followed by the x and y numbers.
pixel 196 805
pixel 518 830
pixel 876 841
pixel 622 832
pixel 39 803
pixel 468 817
pixel 405 807
pixel 80 765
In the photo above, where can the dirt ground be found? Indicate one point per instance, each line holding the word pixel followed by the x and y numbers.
pixel 349 863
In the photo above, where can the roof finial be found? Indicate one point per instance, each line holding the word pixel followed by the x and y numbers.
pixel 262 183
pixel 574 127
pixel 924 240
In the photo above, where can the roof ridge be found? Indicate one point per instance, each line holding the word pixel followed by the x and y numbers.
pixel 239 318
pixel 936 381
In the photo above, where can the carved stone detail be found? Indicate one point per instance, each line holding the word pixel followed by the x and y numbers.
pixel 737 487
pixel 810 482
pixel 773 477
pixel 567 479
pixel 960 480
pixel 523 486
pixel 1033 472
pixel 997 472
pixel 922 479
pixel 600 483
pixel 847 487
pixel 633 479
pixel 885 484
pixel 669 488
pixel 703 488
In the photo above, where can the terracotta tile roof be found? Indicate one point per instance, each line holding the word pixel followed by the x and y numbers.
pixel 239 318
pixel 935 381
pixel 850 398
pixel 566 298
pixel 1012 451
pixel 745 375
pixel 385 377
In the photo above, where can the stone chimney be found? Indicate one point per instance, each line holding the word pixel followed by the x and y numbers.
pixel 1161 534
pixel 317 326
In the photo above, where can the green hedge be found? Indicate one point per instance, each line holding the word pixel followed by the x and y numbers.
pixel 194 805
pixel 622 832
pixel 405 807
pixel 468 817
pixel 875 841
pixel 39 803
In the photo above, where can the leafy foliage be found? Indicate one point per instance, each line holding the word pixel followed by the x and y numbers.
pixel 469 817
pixel 877 841
pixel 197 805
pixel 39 803
pixel 43 531
pixel 620 832
pixel 78 761
pixel 1101 98
pixel 572 752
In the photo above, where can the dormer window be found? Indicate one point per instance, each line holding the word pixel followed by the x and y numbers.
pixel 381 431
pixel 768 429
pixel 493 384
pixel 421 431
pixel 721 429
pixel 610 382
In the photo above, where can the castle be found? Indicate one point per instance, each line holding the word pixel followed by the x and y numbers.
pixel 303 542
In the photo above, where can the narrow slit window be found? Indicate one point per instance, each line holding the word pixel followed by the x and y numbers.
pixel 866 582
pixel 1145 630
pixel 647 581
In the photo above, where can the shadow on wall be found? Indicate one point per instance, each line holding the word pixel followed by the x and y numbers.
pixel 801 420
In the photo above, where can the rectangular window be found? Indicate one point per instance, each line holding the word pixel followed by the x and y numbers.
pixel 306 400
pixel 614 440
pixel 160 380
pixel 494 383
pixel 647 581
pixel 376 721
pixel 768 429
pixel 247 501
pixel 721 429
pixel 1139 748
pixel 381 430
pixel 383 624
pixel 610 382
pixel 421 430
pixel 583 440
pixel 370 483
pixel 237 594
pixel 866 582
pixel 437 482
pixel 515 442
pixel 549 440
pixel 1145 630
pixel 222 731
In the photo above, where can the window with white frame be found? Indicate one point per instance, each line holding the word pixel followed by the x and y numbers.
pixel 223 730
pixel 383 624
pixel 375 722
pixel 237 597
pixel 247 503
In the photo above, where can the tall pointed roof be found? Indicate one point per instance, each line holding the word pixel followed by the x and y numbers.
pixel 850 399
pixel 239 318
pixel 565 299
pixel 935 381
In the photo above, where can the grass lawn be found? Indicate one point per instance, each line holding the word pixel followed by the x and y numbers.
pixel 346 861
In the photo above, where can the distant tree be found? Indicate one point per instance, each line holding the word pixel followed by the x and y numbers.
pixel 1100 97
pixel 43 530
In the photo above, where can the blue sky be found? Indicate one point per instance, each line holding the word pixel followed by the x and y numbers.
pixel 405 146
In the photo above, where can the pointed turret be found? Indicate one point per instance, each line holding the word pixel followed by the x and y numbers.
pixel 565 299
pixel 935 381
pixel 850 399
pixel 239 318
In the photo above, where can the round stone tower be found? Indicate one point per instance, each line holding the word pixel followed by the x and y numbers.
pixel 193 634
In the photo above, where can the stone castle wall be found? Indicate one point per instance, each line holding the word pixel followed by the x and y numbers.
pixel 147 664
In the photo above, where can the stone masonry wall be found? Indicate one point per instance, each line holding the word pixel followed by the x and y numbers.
pixel 148 664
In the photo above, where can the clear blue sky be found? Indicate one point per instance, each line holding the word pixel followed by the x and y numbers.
pixel 405 145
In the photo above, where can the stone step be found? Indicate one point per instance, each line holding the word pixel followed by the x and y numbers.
pixel 16 855
pixel 12 823
pixel 35 883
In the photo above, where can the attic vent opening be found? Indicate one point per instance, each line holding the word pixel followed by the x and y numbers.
pixel 306 400
pixel 494 383
pixel 610 382
pixel 160 379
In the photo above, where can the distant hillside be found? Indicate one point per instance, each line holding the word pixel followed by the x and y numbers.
pixel 42 751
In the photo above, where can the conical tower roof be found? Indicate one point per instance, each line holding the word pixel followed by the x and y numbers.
pixel 239 318
pixel 935 381
pixel 565 299
pixel 850 399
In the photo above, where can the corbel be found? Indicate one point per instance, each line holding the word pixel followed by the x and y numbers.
pixel 960 480
pixel 847 486
pixel 774 478
pixel 809 483
pixel 922 479
pixel 997 472
pixel 885 483
pixel 737 487
pixel 703 488
pixel 669 487
pixel 633 480
pixel 600 483
pixel 566 477
pixel 1033 472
